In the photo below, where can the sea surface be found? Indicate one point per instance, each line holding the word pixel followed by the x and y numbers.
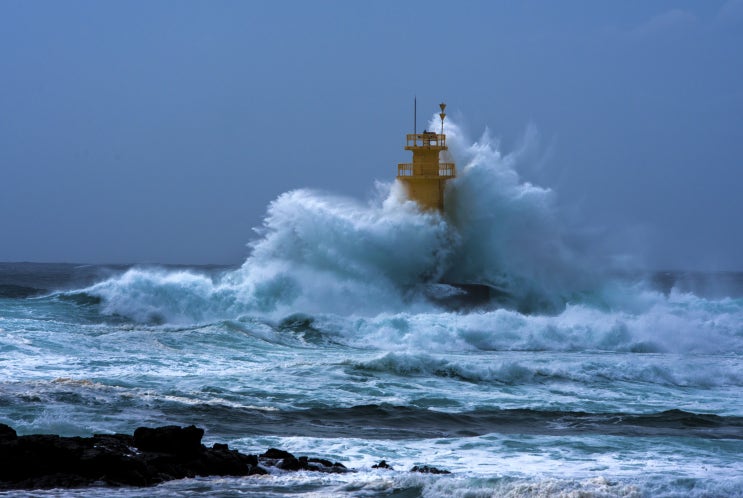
pixel 342 337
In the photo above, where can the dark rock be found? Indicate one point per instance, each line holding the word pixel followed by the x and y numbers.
pixel 223 461
pixel 43 461
pixel 290 463
pixel 321 465
pixel 7 433
pixel 49 461
pixel 257 471
pixel 147 458
pixel 286 461
pixel 425 469
pixel 382 465
pixel 169 439
pixel 321 461
pixel 276 454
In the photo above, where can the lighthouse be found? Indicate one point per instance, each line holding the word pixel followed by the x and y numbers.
pixel 424 179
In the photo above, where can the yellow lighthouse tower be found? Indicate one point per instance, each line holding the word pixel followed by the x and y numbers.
pixel 425 177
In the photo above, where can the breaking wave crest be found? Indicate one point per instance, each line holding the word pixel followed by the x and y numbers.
pixel 364 272
pixel 324 253
pixel 679 323
pixel 535 370
pixel 315 253
pixel 512 233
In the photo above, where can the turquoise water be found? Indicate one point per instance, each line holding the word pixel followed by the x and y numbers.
pixel 601 402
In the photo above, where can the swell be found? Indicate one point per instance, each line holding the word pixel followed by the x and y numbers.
pixel 598 369
pixel 12 291
pixel 390 422
pixel 403 422
pixel 80 298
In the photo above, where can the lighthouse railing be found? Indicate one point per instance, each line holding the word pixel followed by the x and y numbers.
pixel 426 139
pixel 445 170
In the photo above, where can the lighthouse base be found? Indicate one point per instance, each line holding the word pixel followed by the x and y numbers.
pixel 463 296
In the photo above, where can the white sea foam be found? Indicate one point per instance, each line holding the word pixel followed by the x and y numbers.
pixel 359 269
pixel 679 323
pixel 513 234
pixel 319 252
pixel 602 466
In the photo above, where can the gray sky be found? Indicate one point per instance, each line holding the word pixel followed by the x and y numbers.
pixel 158 131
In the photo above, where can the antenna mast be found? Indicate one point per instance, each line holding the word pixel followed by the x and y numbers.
pixel 415 115
pixel 442 116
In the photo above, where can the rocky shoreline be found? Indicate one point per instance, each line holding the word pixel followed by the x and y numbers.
pixel 148 457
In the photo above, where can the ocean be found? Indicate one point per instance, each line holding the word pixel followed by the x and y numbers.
pixel 342 337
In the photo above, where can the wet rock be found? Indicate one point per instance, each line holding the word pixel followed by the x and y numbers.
pixel 257 470
pixel 43 461
pixel 320 461
pixel 169 439
pixel 286 461
pixel 382 465
pixel 289 464
pixel 321 465
pixel 425 469
pixel 276 454
pixel 149 457
pixel 7 433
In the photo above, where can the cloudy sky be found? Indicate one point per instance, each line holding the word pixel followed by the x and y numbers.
pixel 158 131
